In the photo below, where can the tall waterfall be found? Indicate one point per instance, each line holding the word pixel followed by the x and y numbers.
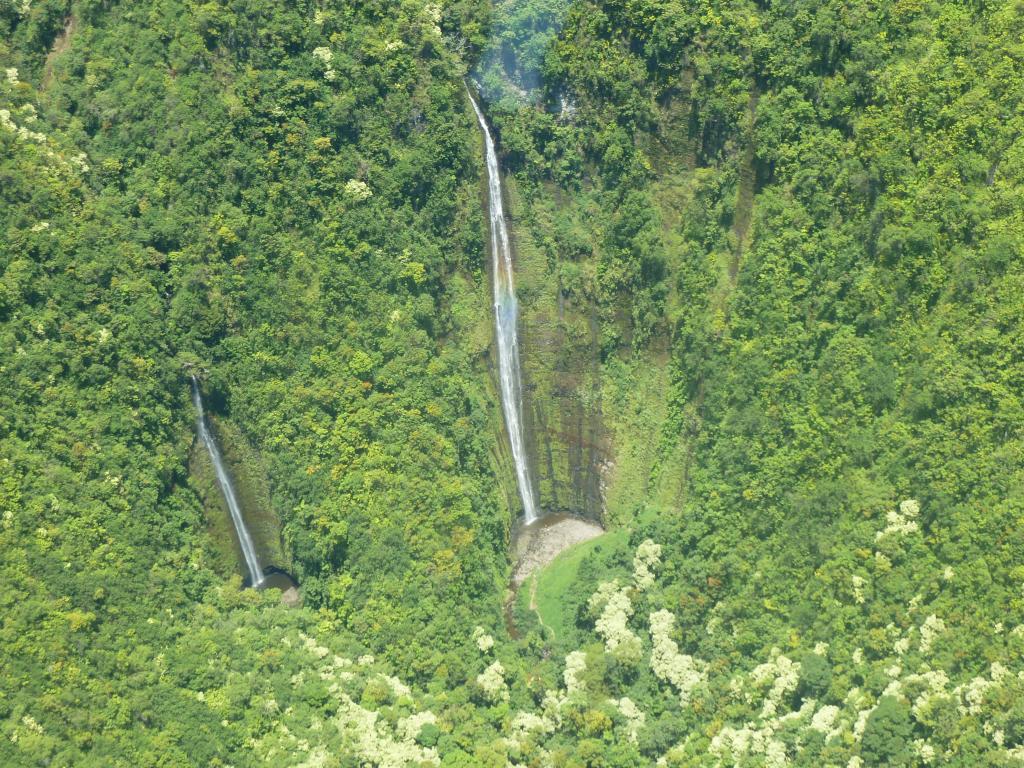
pixel 506 314
pixel 252 561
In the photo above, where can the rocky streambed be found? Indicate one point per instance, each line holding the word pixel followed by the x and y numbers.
pixel 537 544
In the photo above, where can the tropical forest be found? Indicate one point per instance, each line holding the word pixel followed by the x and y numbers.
pixel 511 383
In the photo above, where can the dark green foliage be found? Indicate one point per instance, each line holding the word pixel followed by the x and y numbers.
pixel 815 676
pixel 888 733
pixel 290 236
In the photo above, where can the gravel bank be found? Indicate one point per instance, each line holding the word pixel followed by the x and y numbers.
pixel 538 544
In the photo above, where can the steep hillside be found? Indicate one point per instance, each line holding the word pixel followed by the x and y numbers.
pixel 285 201
pixel 768 258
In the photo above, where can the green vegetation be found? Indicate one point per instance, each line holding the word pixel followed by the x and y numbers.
pixel 769 266
pixel 550 587
pixel 249 478
pixel 887 734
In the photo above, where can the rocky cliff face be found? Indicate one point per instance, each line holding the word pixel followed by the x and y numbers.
pixel 248 474
pixel 561 368
pixel 595 404
pixel 568 434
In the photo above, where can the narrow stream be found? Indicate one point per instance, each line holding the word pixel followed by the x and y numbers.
pixel 252 561
pixel 506 317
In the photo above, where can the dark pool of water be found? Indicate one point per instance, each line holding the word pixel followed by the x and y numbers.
pixel 277 579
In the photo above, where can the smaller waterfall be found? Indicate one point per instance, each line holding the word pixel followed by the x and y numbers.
pixel 506 316
pixel 252 561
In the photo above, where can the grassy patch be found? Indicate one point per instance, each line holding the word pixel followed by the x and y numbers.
pixel 557 578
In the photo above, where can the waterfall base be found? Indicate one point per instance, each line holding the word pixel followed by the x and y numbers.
pixel 275 578
pixel 537 544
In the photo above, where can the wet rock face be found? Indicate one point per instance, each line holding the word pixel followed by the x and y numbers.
pixel 249 477
pixel 560 351
pixel 563 386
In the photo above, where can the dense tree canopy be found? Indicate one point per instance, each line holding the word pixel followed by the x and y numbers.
pixel 769 260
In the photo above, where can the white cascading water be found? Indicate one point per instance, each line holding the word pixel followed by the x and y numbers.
pixel 252 561
pixel 506 313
